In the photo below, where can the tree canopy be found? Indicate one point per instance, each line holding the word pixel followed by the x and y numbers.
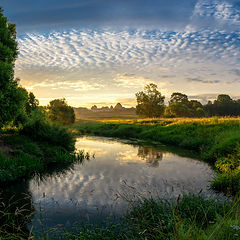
pixel 150 102
pixel 12 98
pixel 180 106
pixel 59 111
pixel 224 105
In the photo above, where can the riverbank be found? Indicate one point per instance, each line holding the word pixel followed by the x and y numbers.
pixel 33 150
pixel 215 140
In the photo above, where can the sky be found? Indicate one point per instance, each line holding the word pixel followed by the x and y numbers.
pixel 103 52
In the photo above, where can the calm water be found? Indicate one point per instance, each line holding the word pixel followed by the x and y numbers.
pixel 117 173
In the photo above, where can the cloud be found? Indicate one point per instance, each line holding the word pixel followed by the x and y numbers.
pixel 236 72
pixel 204 98
pixel 139 49
pixel 215 14
pixel 203 81
pixel 127 80
pixel 74 86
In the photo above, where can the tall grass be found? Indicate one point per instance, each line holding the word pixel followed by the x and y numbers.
pixel 188 217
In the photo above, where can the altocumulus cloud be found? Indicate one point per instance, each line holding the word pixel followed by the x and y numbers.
pixel 106 59
pixel 139 50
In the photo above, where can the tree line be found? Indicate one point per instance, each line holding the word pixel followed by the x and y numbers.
pixel 151 103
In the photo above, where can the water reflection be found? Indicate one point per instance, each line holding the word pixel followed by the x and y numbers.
pixel 151 155
pixel 119 171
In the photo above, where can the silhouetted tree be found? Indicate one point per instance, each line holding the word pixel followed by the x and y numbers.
pixel 32 103
pixel 224 105
pixel 150 102
pixel 118 107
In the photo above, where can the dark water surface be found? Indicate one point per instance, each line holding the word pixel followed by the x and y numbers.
pixel 116 174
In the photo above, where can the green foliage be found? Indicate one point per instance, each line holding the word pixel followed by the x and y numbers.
pixel 180 106
pixel 160 219
pixel 12 98
pixel 178 110
pixel 59 111
pixel 150 102
pixel 21 165
pixel 31 104
pixel 12 103
pixel 223 106
pixel 40 129
pixel 178 98
pixel 27 157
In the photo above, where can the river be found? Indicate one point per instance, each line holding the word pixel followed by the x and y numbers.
pixel 117 174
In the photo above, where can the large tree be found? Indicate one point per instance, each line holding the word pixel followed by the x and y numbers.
pixel 180 106
pixel 12 98
pixel 150 102
pixel 177 97
pixel 59 111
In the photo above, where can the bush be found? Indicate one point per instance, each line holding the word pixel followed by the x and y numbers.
pixel 40 129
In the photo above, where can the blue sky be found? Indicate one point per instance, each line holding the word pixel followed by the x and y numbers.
pixel 101 52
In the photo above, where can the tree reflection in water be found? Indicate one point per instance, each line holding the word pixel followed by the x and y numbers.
pixel 151 155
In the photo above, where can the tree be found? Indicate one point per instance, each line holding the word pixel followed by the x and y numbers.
pixel 177 109
pixel 180 106
pixel 150 102
pixel 118 107
pixel 178 98
pixel 59 111
pixel 94 108
pixel 224 105
pixel 12 98
pixel 32 103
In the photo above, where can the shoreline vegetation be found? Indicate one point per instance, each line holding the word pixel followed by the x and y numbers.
pixel 32 148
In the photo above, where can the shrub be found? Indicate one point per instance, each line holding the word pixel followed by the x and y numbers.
pixel 40 129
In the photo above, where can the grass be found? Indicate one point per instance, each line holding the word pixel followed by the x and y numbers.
pixel 187 217
pixel 31 155
pixel 216 140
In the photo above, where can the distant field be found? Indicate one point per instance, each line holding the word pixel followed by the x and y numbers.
pixel 132 118
pixel 101 116
pixel 166 121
